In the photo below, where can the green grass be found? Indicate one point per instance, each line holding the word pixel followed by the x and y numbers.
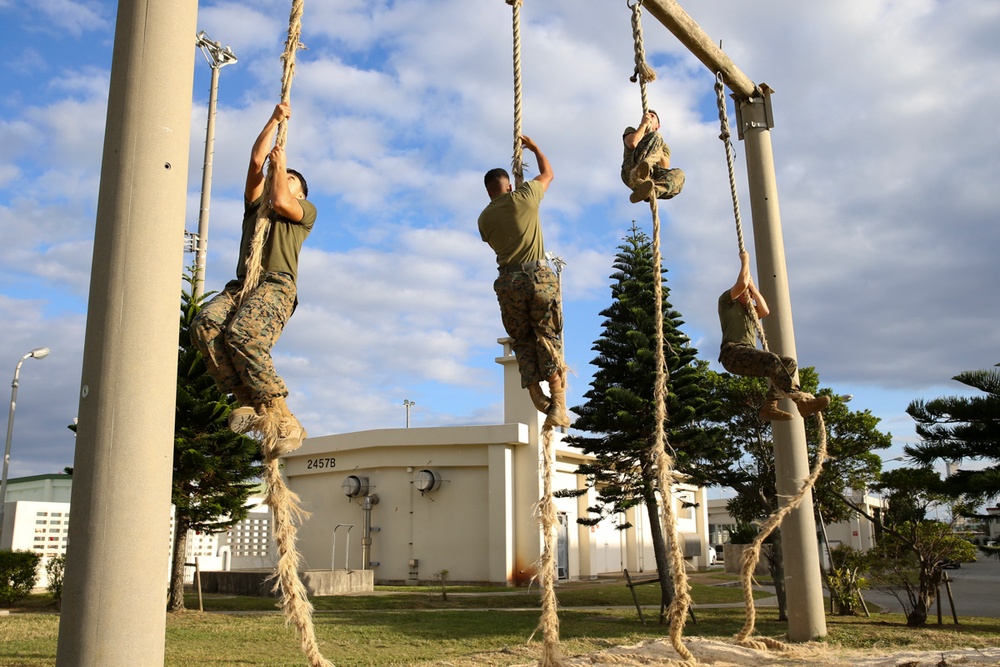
pixel 399 626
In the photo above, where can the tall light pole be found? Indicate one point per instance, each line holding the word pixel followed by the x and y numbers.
pixel 407 403
pixel 217 58
pixel 37 353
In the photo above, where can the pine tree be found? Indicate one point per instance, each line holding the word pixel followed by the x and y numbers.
pixel 215 470
pixel 620 409
pixel 958 428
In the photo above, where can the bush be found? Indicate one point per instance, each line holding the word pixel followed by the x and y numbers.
pixel 844 579
pixel 55 569
pixel 18 574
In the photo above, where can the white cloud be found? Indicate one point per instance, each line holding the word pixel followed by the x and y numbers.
pixel 883 150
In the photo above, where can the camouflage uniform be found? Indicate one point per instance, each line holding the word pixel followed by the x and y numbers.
pixel 236 342
pixel 739 353
pixel 532 316
pixel 651 148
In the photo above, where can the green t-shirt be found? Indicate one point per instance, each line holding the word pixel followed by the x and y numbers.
pixel 737 325
pixel 283 243
pixel 510 224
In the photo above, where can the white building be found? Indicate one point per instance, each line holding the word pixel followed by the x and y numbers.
pixel 463 499
pixel 460 499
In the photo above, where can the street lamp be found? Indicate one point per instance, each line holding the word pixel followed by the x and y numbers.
pixel 407 403
pixel 37 353
pixel 217 58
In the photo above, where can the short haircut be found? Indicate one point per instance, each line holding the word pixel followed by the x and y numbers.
pixel 302 180
pixel 494 177
pixel 655 114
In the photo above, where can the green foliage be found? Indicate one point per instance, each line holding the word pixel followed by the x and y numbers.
pixel 739 452
pixel 18 574
pixel 743 533
pixel 620 411
pixel 958 428
pixel 911 552
pixel 442 577
pixel 55 569
pixel 215 470
pixel 845 580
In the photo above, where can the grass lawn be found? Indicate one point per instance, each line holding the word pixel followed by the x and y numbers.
pixel 406 626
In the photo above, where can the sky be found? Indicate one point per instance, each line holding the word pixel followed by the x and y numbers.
pixel 885 157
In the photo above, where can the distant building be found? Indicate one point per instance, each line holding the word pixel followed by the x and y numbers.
pixel 408 503
pixel 856 532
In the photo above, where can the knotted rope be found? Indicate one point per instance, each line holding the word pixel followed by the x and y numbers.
pixel 751 556
pixel 677 612
pixel 549 621
pixel 288 514
pixel 284 503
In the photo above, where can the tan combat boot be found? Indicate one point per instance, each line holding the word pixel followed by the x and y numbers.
pixel 771 412
pixel 541 402
pixel 556 414
pixel 809 405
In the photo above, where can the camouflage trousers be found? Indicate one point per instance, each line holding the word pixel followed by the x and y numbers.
pixel 236 342
pixel 651 148
pixel 749 361
pixel 532 315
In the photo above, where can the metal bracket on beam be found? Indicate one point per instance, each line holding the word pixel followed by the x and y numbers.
pixel 755 112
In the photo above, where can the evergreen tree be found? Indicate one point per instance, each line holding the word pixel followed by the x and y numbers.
pixel 215 470
pixel 956 428
pixel 620 410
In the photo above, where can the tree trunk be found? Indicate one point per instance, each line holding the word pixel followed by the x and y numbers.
pixel 660 552
pixel 923 601
pixel 777 567
pixel 176 599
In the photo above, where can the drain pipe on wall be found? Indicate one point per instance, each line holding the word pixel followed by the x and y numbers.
pixel 366 538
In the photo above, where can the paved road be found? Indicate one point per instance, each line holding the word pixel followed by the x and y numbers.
pixel 975 586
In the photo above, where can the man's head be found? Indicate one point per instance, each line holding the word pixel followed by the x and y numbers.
pixel 297 185
pixel 656 118
pixel 497 182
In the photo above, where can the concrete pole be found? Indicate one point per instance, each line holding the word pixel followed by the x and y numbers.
pixel 201 258
pixel 799 550
pixel 114 597
pixel 798 532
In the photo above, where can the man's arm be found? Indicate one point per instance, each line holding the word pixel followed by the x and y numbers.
pixel 744 283
pixel 261 149
pixel 632 139
pixel 283 202
pixel 743 280
pixel 545 174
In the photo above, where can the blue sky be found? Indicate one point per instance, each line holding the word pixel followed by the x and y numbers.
pixel 885 155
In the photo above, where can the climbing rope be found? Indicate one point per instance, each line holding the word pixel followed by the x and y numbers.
pixel 751 556
pixel 549 621
pixel 284 503
pixel 516 163
pixel 677 612
pixel 254 260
